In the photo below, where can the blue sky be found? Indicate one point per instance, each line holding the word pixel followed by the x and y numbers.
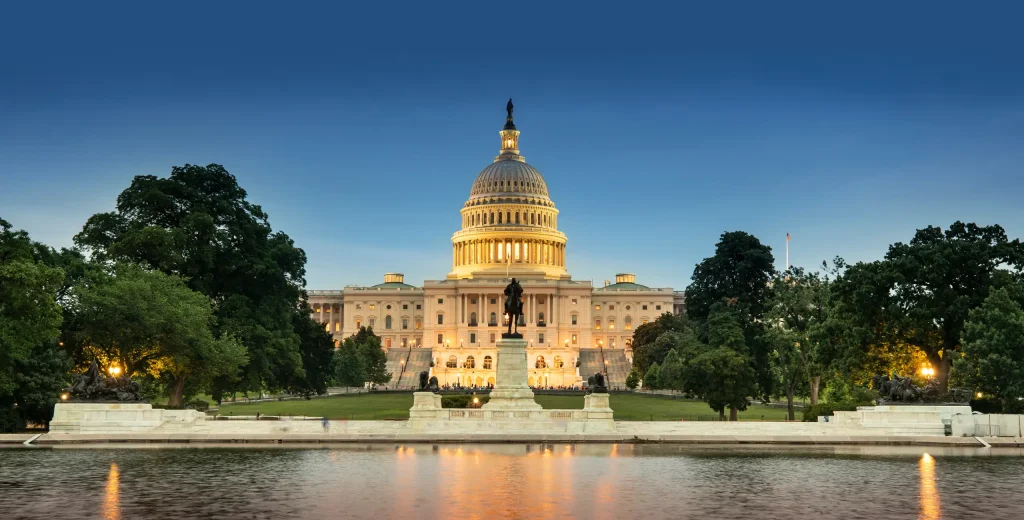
pixel 360 128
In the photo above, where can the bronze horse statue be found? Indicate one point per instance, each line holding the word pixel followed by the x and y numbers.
pixel 513 307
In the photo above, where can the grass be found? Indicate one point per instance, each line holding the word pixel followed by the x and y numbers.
pixel 628 407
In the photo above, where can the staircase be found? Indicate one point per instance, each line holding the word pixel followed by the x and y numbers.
pixel 618 368
pixel 590 363
pixel 417 360
pixel 396 355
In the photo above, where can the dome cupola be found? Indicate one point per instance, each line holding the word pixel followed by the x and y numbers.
pixel 509 223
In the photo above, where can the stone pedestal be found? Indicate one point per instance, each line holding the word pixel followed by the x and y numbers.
pixel 425 405
pixel 89 417
pixel 511 390
pixel 597 407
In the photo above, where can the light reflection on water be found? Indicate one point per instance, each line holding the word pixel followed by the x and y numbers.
pixel 511 481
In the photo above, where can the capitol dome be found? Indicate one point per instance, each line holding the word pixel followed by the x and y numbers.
pixel 509 177
pixel 509 223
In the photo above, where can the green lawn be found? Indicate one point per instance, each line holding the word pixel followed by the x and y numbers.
pixel 627 407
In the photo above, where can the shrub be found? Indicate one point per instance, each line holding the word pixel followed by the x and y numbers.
pixel 812 413
pixel 198 405
pixel 10 421
pixel 461 400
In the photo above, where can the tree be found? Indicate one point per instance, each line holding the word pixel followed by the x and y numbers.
pixel 645 349
pixel 150 322
pixel 721 372
pixel 633 379
pixel 651 377
pixel 738 272
pixel 349 369
pixel 317 349
pixel 800 313
pixel 993 349
pixel 921 293
pixel 723 378
pixel 38 380
pixel 361 360
pixel 198 224
pixel 788 364
pixel 670 376
pixel 29 314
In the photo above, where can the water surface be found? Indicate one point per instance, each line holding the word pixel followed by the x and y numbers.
pixel 511 481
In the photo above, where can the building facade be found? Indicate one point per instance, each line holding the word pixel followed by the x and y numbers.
pixel 509 229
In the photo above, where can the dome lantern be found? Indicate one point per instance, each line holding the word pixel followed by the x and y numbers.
pixel 509 138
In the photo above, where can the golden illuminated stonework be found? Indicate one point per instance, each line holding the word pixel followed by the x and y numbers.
pixel 509 223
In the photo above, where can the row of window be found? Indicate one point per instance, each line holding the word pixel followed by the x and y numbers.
pixel 388 323
pixel 479 219
pixel 597 307
pixel 473 337
pixel 470 362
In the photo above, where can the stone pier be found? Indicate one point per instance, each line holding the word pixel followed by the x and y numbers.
pixel 511 391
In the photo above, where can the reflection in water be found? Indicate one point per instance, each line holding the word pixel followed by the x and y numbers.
pixel 929 493
pixel 112 498
pixel 511 481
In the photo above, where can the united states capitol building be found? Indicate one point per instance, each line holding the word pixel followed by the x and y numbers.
pixel 509 229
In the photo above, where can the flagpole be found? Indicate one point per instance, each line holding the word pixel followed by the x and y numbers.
pixel 787 251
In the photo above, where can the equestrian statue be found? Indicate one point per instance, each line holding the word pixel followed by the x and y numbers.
pixel 513 308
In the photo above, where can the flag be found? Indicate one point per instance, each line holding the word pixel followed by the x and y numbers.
pixel 787 237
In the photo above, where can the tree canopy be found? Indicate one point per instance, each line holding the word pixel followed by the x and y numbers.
pixel 993 348
pixel 198 224
pixel 150 322
pixel 921 293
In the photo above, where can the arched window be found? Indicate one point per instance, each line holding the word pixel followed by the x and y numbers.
pixel 487 362
pixel 533 219
pixel 517 217
pixel 611 323
pixel 470 362
pixel 472 319
pixel 597 323
pixel 540 362
pixel 540 317
pixel 627 323
pixel 508 217
pixel 492 217
pixel 558 361
pixel 387 322
pixel 452 362
pixel 493 322
pixel 499 217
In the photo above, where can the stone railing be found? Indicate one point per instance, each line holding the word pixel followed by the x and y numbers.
pixel 469 414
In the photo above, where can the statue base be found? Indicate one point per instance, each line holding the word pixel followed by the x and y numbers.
pixel 511 390
pixel 513 335
pixel 425 405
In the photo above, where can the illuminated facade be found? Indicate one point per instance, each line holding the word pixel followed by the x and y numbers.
pixel 509 229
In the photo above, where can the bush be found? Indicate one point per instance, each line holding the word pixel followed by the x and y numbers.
pixel 812 413
pixel 10 421
pixel 198 404
pixel 461 400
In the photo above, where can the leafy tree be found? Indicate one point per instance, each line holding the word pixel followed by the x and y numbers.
pixel 361 360
pixel 645 349
pixel 651 377
pixel 349 369
pixel 788 365
pixel 800 312
pixel 670 377
pixel 633 379
pixel 740 269
pixel 317 349
pixel 739 272
pixel 38 380
pixel 198 224
pixel 921 293
pixel 993 349
pixel 713 372
pixel 29 314
pixel 150 322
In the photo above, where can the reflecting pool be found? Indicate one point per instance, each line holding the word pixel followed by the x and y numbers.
pixel 599 481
